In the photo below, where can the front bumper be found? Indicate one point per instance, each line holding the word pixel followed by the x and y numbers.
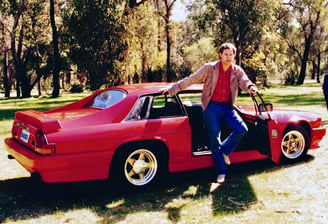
pixel 317 136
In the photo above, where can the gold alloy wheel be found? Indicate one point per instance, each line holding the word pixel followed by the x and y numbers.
pixel 293 144
pixel 140 167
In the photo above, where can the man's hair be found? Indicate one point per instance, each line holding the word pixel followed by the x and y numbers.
pixel 227 46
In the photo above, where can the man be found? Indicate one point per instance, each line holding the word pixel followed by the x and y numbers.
pixel 221 82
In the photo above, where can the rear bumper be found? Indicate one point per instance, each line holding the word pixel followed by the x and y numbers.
pixel 62 168
pixel 317 136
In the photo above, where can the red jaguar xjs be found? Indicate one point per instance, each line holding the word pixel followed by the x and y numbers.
pixel 133 134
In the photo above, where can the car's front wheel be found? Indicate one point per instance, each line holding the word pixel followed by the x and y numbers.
pixel 138 167
pixel 294 145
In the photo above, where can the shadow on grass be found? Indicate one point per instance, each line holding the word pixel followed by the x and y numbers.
pixel 23 198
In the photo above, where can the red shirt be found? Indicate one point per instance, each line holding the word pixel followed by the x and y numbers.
pixel 222 90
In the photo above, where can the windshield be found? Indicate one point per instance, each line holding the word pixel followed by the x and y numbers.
pixel 107 98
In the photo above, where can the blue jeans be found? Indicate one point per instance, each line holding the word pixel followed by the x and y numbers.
pixel 214 115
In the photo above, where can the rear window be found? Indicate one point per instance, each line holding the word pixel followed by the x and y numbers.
pixel 107 98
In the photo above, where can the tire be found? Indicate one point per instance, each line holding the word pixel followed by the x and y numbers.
pixel 294 144
pixel 138 167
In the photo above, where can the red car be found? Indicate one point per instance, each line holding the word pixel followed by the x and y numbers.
pixel 133 134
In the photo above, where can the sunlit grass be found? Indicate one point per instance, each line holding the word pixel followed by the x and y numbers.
pixel 307 95
pixel 8 106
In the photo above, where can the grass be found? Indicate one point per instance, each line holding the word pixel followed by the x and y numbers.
pixel 254 192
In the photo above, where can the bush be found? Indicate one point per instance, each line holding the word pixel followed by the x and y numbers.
pixel 290 78
pixel 76 88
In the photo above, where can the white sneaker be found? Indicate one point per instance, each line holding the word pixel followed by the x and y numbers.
pixel 220 179
pixel 226 159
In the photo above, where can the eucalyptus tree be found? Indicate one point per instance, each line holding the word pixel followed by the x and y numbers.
pixel 318 51
pixel 56 64
pixel 241 22
pixel 301 19
pixel 236 21
pixel 164 9
pixel 4 47
pixel 144 60
pixel 28 30
pixel 97 31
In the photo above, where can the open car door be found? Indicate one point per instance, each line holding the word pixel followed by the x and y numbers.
pixel 262 120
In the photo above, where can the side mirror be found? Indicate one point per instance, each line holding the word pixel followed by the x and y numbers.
pixel 266 108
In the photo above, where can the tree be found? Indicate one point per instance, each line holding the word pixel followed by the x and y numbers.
pixel 200 52
pixel 166 12
pixel 5 47
pixel 96 32
pixel 303 18
pixel 56 64
pixel 28 30
pixel 238 21
pixel 144 61
pixel 242 22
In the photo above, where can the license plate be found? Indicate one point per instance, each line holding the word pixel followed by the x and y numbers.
pixel 25 135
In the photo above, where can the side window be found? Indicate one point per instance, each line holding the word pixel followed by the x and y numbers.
pixel 165 106
pixel 140 109
pixel 190 99
pixel 154 107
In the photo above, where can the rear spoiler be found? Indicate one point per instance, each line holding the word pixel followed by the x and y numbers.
pixel 39 120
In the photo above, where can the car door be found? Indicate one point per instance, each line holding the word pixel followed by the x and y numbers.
pixel 262 119
pixel 163 118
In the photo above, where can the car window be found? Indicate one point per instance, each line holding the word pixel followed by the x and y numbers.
pixel 165 106
pixel 107 98
pixel 189 99
pixel 140 109
pixel 154 107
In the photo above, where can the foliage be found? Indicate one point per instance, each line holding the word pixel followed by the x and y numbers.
pixel 29 38
pixel 200 52
pixel 97 40
pixel 300 26
pixel 144 57
pixel 239 22
pixel 107 42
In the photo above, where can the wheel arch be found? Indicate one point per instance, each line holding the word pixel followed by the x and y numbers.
pixel 302 124
pixel 161 150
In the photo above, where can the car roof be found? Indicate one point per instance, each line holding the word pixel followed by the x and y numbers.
pixel 152 87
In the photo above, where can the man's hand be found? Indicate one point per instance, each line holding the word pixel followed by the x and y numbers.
pixel 166 91
pixel 253 90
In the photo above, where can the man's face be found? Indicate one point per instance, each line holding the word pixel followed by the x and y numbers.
pixel 227 56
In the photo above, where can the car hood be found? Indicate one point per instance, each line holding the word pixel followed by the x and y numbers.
pixel 282 115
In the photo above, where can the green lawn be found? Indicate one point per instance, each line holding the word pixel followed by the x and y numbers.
pixel 255 192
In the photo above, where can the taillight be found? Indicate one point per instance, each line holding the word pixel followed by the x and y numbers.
pixel 42 146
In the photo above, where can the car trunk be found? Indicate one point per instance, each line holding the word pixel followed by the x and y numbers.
pixel 31 127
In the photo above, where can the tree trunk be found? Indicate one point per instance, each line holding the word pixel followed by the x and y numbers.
pixel 56 65
pixel 314 69
pixel 305 58
pixel 318 67
pixel 23 86
pixel 168 52
pixel 6 78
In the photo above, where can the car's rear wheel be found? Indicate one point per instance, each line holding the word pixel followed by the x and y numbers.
pixel 138 167
pixel 294 145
